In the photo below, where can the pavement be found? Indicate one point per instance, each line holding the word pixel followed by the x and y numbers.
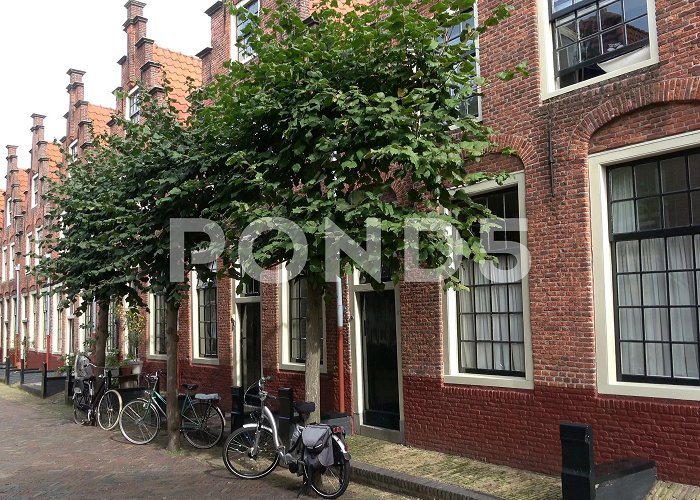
pixel 43 454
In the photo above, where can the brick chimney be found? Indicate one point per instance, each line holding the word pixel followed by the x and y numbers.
pixel 76 93
pixel 135 28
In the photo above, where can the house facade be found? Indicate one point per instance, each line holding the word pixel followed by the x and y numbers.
pixel 602 326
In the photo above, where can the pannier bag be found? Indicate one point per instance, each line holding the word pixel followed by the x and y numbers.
pixel 318 446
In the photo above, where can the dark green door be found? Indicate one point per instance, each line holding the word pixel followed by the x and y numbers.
pixel 251 348
pixel 380 359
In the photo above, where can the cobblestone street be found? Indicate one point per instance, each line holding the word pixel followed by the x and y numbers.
pixel 44 454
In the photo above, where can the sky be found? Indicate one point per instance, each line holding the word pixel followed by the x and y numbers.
pixel 41 39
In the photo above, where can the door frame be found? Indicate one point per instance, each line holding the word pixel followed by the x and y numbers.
pixel 357 362
pixel 238 351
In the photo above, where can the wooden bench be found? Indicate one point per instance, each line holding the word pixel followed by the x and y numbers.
pixel 629 478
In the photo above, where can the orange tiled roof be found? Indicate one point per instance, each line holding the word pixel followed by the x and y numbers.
pixel 178 68
pixel 53 151
pixel 100 116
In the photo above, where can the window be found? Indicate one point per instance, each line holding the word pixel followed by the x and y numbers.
pixel 73 150
pixel 57 324
pixel 37 246
pixel 135 106
pixel 655 244
pixel 12 262
pixel 490 316
pixel 33 318
pixel 240 48
pixel 8 212
pixel 472 106
pixel 487 340
pixel 28 253
pixel 35 190
pixel 298 303
pixel 90 318
pixel 594 37
pixel 71 328
pixel 206 319
pixel 45 318
pixel 112 327
pixel 4 264
pixel 159 344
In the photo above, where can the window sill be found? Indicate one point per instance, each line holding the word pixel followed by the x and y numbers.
pixel 598 79
pixel 642 390
pixel 157 357
pixel 298 367
pixel 489 381
pixel 204 361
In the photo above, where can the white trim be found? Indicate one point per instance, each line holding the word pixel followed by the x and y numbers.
pixel 602 265
pixel 152 331
pixel 284 333
pixel 237 354
pixel 548 88
pixel 194 304
pixel 452 374
pixel 234 31
pixel 357 359
pixel 34 193
pixel 55 318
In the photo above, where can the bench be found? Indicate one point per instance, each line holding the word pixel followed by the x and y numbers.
pixel 629 478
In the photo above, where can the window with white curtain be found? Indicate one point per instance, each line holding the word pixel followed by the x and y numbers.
pixel 654 207
pixel 490 326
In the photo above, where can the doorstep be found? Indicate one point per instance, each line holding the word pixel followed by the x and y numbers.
pixel 430 474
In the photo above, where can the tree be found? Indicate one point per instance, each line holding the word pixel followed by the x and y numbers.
pixel 330 117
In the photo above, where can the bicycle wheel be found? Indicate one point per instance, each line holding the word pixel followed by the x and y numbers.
pixel 139 421
pixel 332 481
pixel 202 424
pixel 81 404
pixel 108 410
pixel 238 458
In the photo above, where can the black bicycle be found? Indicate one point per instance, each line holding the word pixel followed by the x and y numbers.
pixel 92 402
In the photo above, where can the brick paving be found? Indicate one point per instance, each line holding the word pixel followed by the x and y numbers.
pixel 44 454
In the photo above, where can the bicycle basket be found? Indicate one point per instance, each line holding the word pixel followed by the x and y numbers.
pixel 82 366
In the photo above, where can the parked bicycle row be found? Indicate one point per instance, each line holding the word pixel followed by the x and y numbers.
pixel 316 452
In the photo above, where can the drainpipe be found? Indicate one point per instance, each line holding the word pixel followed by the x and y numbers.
pixel 341 357
pixel 47 322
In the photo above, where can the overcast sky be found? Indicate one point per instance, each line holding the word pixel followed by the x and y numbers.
pixel 41 39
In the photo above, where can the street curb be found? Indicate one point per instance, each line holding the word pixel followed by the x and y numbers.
pixel 406 484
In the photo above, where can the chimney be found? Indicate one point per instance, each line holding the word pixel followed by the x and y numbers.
pixel 135 28
pixel 76 93
pixel 37 128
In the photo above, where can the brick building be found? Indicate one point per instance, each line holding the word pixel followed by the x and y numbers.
pixel 603 329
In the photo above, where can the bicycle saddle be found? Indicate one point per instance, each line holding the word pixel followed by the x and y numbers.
pixel 305 407
pixel 190 387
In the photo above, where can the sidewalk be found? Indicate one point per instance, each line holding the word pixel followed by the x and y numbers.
pixel 499 481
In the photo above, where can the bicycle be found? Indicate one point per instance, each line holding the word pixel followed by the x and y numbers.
pixel 202 421
pixel 254 450
pixel 109 401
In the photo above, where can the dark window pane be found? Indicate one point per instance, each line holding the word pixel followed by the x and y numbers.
pixel 569 57
pixel 649 213
pixel 676 210
pixel 611 15
pixel 673 175
pixel 646 178
pixel 621 183
pixel 624 220
pixel 627 253
pixel 558 5
pixel 694 168
pixel 695 201
pixel 566 31
pixel 638 30
pixel 590 48
pixel 613 40
pixel 635 8
pixel 588 21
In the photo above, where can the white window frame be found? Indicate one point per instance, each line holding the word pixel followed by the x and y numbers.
pixel 606 361
pixel 70 336
pixel 8 212
pixel 56 317
pixel 11 259
pixel 35 190
pixel 152 330
pixel 285 362
pixel 28 253
pixel 548 85
pixel 37 244
pixel 452 374
pixel 131 97
pixel 32 319
pixel 235 50
pixel 194 303
pixel 73 150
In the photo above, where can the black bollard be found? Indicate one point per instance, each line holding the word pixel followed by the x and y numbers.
pixel 237 407
pixel 21 371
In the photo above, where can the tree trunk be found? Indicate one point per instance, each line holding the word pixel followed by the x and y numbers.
pixel 173 408
pixel 101 332
pixel 314 324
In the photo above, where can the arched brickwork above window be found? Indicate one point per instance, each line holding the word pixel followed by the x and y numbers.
pixel 677 90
